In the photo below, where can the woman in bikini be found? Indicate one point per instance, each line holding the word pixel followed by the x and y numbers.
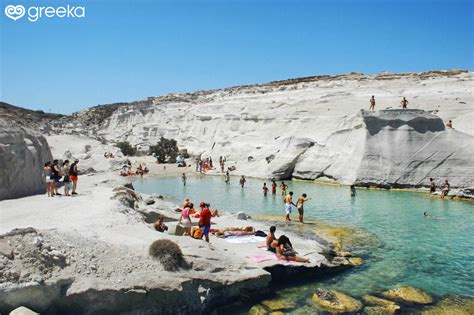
pixel 285 251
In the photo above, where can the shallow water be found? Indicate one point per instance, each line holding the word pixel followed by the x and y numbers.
pixel 436 255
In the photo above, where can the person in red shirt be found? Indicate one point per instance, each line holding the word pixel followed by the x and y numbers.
pixel 205 219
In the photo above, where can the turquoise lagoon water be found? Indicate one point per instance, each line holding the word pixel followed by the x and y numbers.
pixel 436 255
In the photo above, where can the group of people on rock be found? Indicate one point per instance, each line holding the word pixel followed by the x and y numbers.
pixel 282 247
pixel 127 169
pixel 444 191
pixel 403 103
pixel 61 172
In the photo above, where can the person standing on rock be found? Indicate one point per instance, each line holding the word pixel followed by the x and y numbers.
pixel 265 189
pixel 288 205
pixel 404 103
pixel 66 178
pixel 432 186
pixel 372 103
pixel 56 176
pixel 446 189
pixel 49 180
pixel 300 205
pixel 242 181
pixel 205 220
pixel 274 187
pixel 183 178
pixel 73 175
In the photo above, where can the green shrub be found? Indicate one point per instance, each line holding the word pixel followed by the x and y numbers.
pixel 166 150
pixel 126 148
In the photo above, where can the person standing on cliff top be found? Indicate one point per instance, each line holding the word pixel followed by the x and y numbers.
pixel 372 103
pixel 288 205
pixel 73 175
pixel 404 103
pixel 274 187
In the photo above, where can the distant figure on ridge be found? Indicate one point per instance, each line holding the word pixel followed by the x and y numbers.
pixel 265 189
pixel 372 103
pixel 404 103
pixel 450 124
pixel 432 186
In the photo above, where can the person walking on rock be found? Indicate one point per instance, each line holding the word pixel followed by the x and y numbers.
pixel 404 103
pixel 288 205
pixel 73 175
pixel 372 103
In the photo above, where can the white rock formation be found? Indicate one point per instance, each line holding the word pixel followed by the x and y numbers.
pixel 22 157
pixel 314 128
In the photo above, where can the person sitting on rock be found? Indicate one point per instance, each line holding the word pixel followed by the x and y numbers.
pixel 159 225
pixel 450 124
pixel 285 251
pixel 271 240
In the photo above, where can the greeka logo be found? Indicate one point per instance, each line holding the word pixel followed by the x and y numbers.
pixel 34 13
pixel 15 12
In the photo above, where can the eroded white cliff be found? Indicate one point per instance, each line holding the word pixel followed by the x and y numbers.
pixel 315 129
pixel 22 156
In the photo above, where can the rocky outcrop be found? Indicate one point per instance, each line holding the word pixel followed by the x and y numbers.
pixel 313 128
pixel 22 156
pixel 336 302
pixel 409 295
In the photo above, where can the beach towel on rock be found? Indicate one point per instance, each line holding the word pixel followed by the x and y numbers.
pixel 244 239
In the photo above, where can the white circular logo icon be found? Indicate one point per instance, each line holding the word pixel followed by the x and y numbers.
pixel 15 12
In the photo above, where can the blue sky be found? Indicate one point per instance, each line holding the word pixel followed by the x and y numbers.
pixel 129 50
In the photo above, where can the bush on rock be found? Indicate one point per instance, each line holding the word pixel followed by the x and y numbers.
pixel 168 254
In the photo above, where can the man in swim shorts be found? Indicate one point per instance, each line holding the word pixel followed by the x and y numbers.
pixel 300 205
pixel 288 205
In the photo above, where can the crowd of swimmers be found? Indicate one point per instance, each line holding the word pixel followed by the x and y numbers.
pixel 59 173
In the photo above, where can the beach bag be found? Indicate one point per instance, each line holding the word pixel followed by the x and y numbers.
pixel 260 233
pixel 196 232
